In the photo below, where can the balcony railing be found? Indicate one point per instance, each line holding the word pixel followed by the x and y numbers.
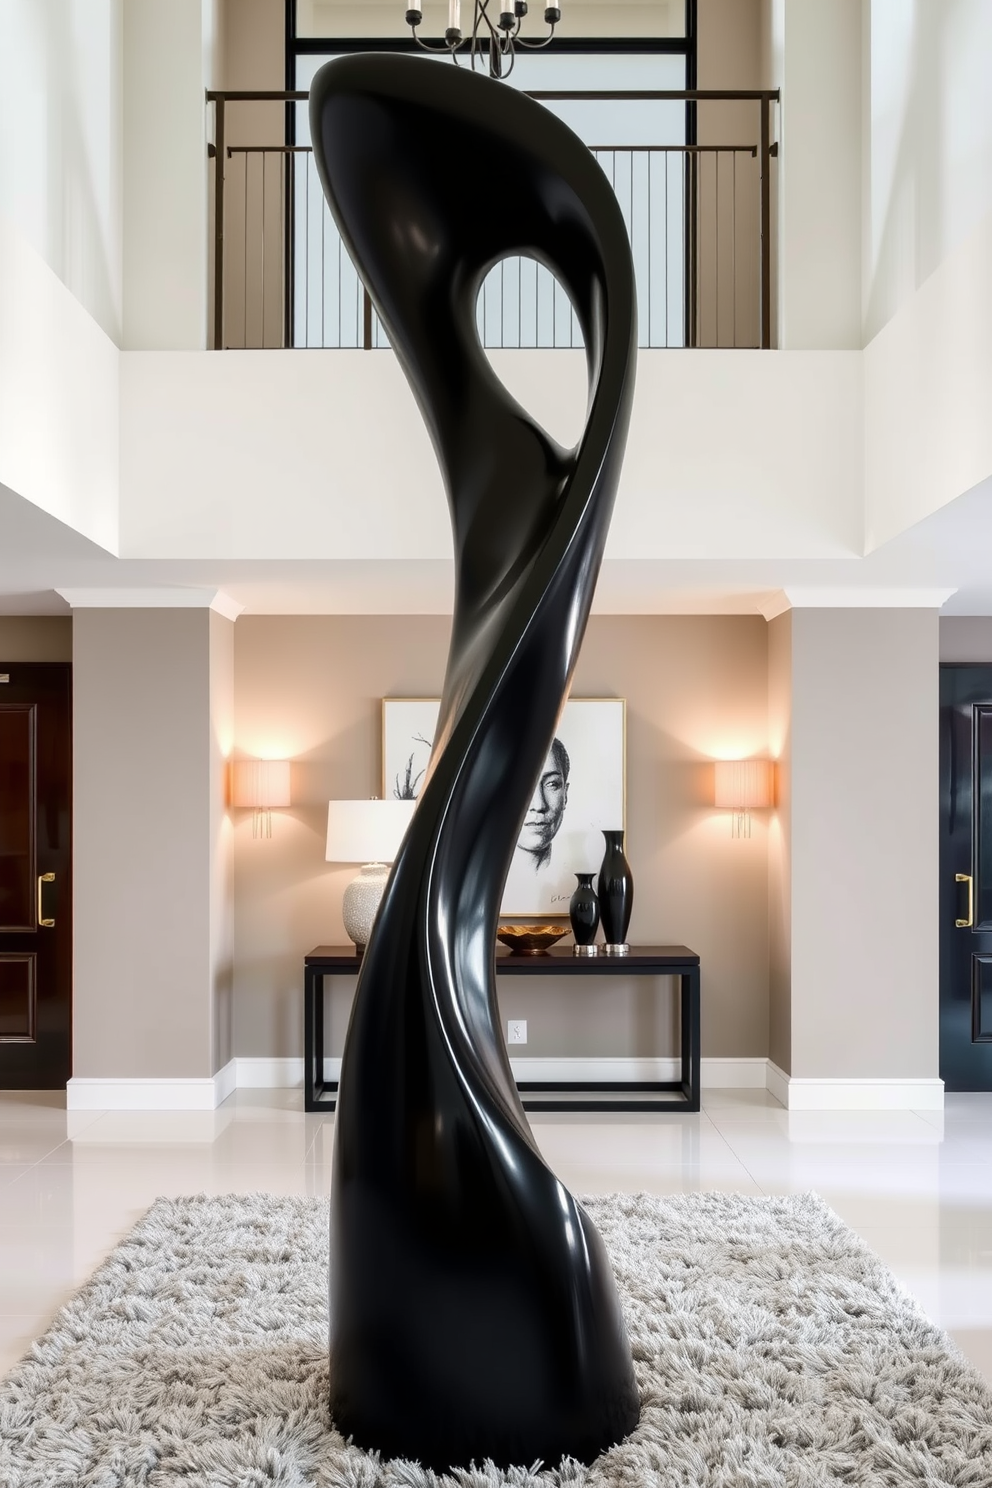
pixel 698 216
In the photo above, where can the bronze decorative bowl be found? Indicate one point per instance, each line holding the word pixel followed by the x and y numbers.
pixel 530 940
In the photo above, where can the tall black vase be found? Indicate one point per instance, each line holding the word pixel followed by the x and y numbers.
pixel 616 891
pixel 583 914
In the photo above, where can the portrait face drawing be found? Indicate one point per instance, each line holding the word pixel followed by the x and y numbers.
pixel 547 808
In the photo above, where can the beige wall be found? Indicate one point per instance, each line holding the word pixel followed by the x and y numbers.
pixel 309 688
pixel 780 845
pixel 253 51
pixel 579 18
pixel 35 638
pixel 864 843
pixel 144 950
pixel 728 262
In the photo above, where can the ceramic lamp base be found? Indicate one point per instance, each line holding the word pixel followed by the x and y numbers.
pixel 361 902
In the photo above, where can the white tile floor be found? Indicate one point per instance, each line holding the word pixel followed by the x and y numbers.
pixel 917 1186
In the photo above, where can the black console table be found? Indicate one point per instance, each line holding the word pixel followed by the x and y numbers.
pixel 657 1095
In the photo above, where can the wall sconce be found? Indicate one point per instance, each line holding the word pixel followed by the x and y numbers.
pixel 368 832
pixel 260 785
pixel 743 786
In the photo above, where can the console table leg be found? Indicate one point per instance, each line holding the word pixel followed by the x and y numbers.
pixel 690 1037
pixel 312 1045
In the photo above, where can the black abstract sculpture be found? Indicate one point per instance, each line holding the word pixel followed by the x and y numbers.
pixel 473 1310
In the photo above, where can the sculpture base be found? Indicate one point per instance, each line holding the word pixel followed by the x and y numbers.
pixel 586 950
pixel 616 950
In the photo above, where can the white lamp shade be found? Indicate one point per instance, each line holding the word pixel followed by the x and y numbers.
pixel 366 831
pixel 260 784
pixel 744 785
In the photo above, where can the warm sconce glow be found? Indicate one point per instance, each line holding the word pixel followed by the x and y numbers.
pixel 260 785
pixel 743 786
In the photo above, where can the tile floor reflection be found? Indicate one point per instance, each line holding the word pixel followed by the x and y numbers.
pixel 916 1186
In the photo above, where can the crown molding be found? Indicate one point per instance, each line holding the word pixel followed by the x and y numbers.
pixel 854 599
pixel 173 597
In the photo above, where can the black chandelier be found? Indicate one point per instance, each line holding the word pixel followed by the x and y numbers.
pixel 499 39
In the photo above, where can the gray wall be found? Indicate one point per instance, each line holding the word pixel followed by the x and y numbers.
pixel 966 638
pixel 780 845
pixel 221 841
pixel 864 843
pixel 145 951
pixel 309 688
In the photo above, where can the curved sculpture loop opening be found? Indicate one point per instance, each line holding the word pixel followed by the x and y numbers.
pixel 523 308
pixel 473 1310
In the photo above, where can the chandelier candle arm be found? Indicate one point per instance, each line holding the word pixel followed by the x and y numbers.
pixel 503 35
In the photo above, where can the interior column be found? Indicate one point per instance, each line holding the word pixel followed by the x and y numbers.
pixel 854 701
pixel 152 719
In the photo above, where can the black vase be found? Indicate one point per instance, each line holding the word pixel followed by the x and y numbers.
pixel 616 891
pixel 583 911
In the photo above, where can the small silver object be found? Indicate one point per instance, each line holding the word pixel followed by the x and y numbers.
pixel 616 950
pixel 586 950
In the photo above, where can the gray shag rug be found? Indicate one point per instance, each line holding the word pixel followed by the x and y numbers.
pixel 771 1346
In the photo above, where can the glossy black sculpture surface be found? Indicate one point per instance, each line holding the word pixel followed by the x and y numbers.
pixel 473 1310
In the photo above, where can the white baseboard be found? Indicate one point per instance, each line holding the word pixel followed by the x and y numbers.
pixel 803 1094
pixel 225 1081
pixel 82 1094
pixel 714 1074
pixel 85 1094
pixel 245 1073
pixel 275 1074
pixel 733 1074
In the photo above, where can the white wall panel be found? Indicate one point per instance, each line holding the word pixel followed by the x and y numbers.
pixel 324 454
pixel 59 422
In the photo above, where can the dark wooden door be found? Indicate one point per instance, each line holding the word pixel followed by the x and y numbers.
pixel 35 868
pixel 966 877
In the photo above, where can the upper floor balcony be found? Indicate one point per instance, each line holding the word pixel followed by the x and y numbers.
pixel 692 171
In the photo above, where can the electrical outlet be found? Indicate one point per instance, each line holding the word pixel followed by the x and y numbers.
pixel 516 1031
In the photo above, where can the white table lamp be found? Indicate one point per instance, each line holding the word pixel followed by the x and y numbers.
pixel 368 832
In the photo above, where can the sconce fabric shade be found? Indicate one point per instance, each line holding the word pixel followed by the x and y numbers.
pixel 366 831
pixel 744 785
pixel 260 784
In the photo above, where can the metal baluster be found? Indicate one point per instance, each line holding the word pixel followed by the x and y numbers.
pixel 716 250
pixel 734 241
pixel 263 158
pixel 219 157
pixel 244 287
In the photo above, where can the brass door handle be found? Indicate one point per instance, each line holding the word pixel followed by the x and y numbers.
pixel 966 924
pixel 44 924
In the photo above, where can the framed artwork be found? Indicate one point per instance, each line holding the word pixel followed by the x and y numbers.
pixel 581 793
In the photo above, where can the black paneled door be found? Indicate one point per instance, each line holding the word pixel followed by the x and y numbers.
pixel 35 866
pixel 966 877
